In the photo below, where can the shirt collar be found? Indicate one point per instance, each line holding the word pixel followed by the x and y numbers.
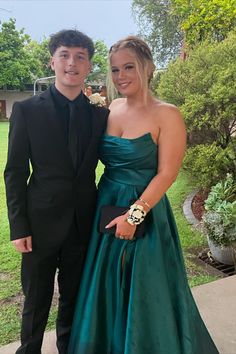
pixel 62 101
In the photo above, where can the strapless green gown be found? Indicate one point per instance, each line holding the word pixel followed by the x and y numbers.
pixel 146 306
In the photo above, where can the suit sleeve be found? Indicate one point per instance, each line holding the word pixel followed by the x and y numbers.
pixel 104 112
pixel 16 174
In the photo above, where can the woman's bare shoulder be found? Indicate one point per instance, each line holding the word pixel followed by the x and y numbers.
pixel 166 111
pixel 163 106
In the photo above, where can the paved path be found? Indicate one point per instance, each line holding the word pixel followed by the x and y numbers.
pixel 217 304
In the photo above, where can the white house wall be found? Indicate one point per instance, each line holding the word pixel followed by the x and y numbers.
pixel 13 96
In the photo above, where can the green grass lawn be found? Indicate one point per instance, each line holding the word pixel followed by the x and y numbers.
pixel 191 239
pixel 10 290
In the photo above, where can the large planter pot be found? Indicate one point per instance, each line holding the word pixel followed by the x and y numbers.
pixel 221 254
pixel 234 254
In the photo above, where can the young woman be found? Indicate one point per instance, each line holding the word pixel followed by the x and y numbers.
pixel 135 298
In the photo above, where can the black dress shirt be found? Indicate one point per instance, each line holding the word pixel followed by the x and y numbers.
pixel 83 121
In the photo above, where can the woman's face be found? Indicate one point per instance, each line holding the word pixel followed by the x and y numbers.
pixel 124 73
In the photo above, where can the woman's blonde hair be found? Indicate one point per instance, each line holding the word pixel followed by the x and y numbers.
pixel 143 60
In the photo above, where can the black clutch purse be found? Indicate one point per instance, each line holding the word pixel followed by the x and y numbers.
pixel 110 212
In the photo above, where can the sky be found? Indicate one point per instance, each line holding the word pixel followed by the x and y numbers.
pixel 107 20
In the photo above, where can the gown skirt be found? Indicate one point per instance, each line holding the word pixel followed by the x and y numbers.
pixel 134 297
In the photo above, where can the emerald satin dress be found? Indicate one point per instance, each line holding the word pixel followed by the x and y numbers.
pixel 144 306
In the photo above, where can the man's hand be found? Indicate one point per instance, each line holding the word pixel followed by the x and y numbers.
pixel 23 245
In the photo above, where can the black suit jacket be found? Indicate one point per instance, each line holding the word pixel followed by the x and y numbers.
pixel 43 200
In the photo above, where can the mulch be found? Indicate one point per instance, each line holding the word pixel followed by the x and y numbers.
pixel 198 204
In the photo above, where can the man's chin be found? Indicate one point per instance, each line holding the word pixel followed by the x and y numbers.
pixel 73 85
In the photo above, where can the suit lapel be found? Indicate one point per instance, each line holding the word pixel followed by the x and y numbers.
pixel 51 114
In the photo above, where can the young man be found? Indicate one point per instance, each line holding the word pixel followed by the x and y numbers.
pixel 51 209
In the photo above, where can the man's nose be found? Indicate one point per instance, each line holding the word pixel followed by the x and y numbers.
pixel 71 60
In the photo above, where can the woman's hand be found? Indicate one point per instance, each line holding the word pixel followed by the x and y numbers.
pixel 123 229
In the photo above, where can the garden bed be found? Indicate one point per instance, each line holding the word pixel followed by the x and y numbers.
pixel 204 257
pixel 197 204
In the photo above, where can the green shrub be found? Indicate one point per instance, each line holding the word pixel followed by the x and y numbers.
pixel 208 163
pixel 203 86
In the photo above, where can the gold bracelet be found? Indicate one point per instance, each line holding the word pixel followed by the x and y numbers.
pixel 145 203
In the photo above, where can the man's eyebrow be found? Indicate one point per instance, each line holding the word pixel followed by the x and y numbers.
pixel 81 53
pixel 66 51
pixel 63 51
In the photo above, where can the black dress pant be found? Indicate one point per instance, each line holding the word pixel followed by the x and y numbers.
pixel 38 274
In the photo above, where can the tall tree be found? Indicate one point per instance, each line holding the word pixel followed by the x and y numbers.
pixel 204 87
pixel 15 61
pixel 99 62
pixel 159 27
pixel 203 20
pixel 165 23
pixel 40 58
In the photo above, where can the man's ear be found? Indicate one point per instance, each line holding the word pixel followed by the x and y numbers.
pixel 52 63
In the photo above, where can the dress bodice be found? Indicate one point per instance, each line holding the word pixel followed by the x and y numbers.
pixel 129 161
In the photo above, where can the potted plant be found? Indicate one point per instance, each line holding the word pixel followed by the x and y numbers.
pixel 219 220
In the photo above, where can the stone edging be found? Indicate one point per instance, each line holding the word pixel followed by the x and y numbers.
pixel 187 210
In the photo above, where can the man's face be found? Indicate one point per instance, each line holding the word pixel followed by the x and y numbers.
pixel 71 66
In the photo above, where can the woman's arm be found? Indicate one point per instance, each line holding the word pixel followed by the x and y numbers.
pixel 171 149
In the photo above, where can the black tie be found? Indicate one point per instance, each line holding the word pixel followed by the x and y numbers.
pixel 73 133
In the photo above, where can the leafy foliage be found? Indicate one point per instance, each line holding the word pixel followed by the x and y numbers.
pixel 159 27
pixel 166 24
pixel 14 60
pixel 100 62
pixel 220 218
pixel 204 87
pixel 207 163
pixel 21 59
pixel 203 20
pixel 222 191
pixel 41 57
